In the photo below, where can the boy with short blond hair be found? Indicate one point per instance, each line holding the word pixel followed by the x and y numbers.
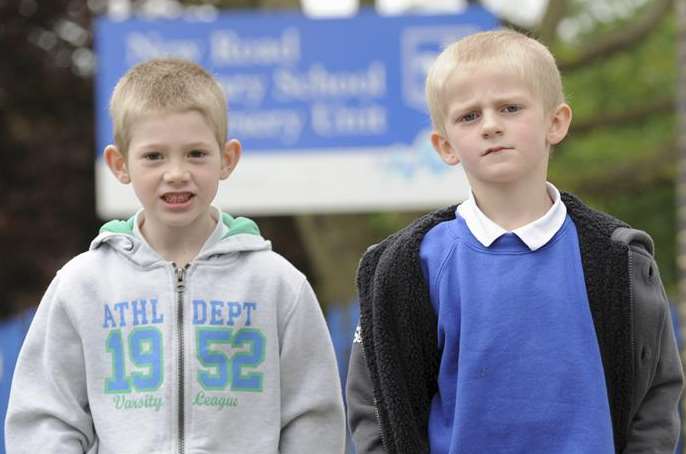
pixel 179 331
pixel 520 320
pixel 166 85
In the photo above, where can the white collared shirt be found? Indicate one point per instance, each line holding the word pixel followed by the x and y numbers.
pixel 534 234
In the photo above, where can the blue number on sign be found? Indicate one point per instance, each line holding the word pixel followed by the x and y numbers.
pixel 145 351
pixel 251 343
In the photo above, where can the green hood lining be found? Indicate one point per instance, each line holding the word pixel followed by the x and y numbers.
pixel 236 226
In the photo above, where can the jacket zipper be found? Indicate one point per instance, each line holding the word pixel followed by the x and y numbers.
pixel 631 331
pixel 180 289
pixel 378 423
pixel 379 428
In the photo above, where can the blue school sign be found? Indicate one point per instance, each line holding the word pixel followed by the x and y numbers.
pixel 320 106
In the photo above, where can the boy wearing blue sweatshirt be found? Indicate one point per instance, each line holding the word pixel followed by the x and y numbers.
pixel 179 331
pixel 520 321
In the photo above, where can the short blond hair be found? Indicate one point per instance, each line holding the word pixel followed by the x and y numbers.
pixel 166 85
pixel 515 52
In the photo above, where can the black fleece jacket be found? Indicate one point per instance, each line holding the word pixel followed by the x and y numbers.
pixel 398 331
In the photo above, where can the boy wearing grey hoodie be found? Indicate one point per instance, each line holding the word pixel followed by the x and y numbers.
pixel 179 331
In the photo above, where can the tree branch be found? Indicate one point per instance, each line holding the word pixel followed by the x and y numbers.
pixel 634 176
pixel 619 40
pixel 554 12
pixel 637 113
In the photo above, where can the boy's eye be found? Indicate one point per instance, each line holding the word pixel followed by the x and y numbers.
pixel 466 118
pixel 197 154
pixel 152 156
pixel 512 108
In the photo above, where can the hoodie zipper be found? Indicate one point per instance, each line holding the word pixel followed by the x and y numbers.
pixel 180 289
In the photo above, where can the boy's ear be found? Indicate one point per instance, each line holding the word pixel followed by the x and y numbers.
pixel 231 154
pixel 444 149
pixel 560 120
pixel 116 161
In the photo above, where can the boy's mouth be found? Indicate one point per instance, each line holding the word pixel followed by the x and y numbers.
pixel 495 150
pixel 177 197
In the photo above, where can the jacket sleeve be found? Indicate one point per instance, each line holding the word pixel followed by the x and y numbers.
pixel 658 377
pixel 48 405
pixel 312 414
pixel 362 416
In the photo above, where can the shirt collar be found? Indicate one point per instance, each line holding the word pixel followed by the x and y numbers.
pixel 535 234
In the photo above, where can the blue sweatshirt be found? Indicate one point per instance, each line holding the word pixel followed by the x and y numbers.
pixel 520 367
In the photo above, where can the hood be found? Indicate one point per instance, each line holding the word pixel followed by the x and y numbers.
pixel 231 235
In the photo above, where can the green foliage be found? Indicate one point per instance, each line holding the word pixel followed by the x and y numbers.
pixel 623 159
pixel 627 80
pixel 653 211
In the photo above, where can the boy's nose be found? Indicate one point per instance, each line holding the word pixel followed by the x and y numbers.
pixel 490 126
pixel 176 173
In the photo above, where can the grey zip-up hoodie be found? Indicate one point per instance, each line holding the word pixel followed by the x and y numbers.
pixel 128 354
